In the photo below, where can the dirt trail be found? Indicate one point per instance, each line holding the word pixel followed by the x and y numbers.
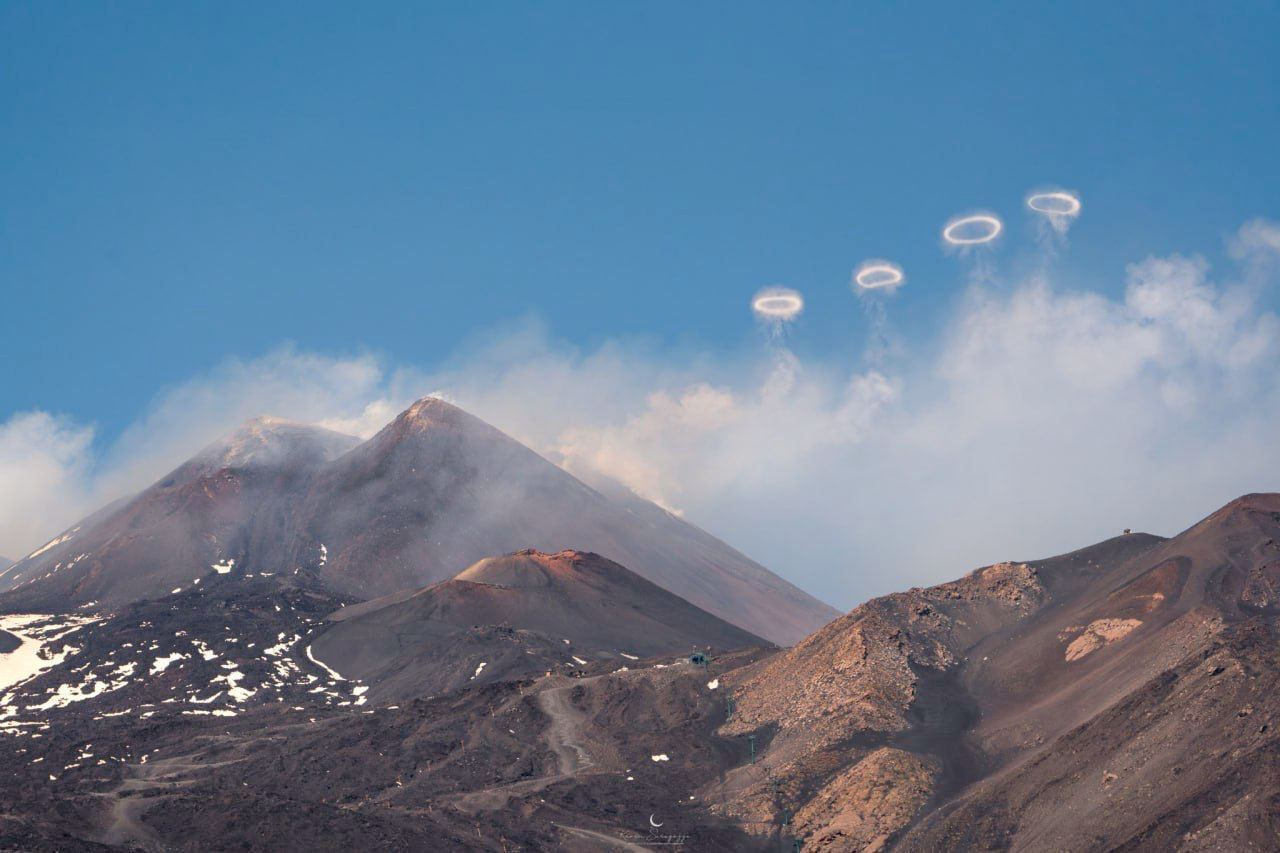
pixel 564 733
pixel 147 785
pixel 608 840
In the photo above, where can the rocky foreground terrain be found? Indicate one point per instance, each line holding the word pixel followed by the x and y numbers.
pixel 1119 697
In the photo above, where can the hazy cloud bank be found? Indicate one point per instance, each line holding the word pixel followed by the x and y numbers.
pixel 1047 419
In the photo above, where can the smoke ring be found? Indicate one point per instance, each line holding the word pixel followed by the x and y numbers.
pixel 990 226
pixel 1054 203
pixel 777 303
pixel 873 275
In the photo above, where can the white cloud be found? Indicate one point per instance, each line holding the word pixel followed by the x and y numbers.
pixel 44 462
pixel 1046 419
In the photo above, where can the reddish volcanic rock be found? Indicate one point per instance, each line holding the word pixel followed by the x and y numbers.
pixel 522 613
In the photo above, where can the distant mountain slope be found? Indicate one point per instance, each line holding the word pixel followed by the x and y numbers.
pixel 434 490
pixel 232 500
pixel 514 615
pixel 438 488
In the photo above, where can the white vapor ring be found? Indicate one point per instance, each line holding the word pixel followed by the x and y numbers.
pixel 1054 204
pixel 653 823
pixel 874 275
pixel 778 304
pixel 992 225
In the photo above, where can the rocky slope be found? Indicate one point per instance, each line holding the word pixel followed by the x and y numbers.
pixel 515 615
pixel 220 648
pixel 435 490
pixel 1097 700
pixel 1123 696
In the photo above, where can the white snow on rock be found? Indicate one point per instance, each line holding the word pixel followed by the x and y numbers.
pixel 68 693
pixel 232 680
pixel 660 757
pixel 713 684
pixel 479 670
pixel 197 701
pixel 282 646
pixel 332 672
pixel 628 657
pixel 162 663
pixel 579 660
pixel 53 543
pixel 203 648
pixel 224 567
pixel 35 631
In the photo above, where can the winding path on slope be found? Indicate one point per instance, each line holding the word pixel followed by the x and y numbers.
pixel 608 840
pixel 575 756
pixel 564 733
pixel 563 737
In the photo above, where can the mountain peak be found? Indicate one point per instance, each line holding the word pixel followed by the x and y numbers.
pixel 1240 511
pixel 432 412
pixel 269 440
pixel 268 420
pixel 533 568
pixel 431 407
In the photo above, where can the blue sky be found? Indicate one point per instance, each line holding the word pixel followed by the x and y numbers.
pixel 185 184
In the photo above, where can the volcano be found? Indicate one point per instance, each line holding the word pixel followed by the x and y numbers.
pixel 434 490
pixel 512 615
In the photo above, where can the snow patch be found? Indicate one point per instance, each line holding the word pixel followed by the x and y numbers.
pixel 204 650
pixel 332 672
pixel 162 663
pixel 52 544
pixel 35 631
